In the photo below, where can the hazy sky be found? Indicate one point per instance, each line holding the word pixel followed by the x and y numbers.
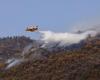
pixel 54 15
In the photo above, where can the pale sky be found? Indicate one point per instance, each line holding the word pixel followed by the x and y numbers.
pixel 54 15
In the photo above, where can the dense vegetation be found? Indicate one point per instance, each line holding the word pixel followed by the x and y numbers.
pixel 78 64
pixel 10 46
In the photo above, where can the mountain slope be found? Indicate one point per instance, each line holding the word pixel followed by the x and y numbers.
pixel 11 46
pixel 76 64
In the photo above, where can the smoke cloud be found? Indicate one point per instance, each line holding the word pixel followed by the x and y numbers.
pixel 92 26
pixel 63 39
pixel 13 62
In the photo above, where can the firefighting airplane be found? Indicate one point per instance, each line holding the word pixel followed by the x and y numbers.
pixel 32 28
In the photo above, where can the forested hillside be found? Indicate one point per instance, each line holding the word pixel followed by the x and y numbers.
pixel 76 64
pixel 10 46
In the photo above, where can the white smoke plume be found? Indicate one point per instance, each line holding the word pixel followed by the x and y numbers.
pixel 13 62
pixel 64 39
pixel 26 49
pixel 92 26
